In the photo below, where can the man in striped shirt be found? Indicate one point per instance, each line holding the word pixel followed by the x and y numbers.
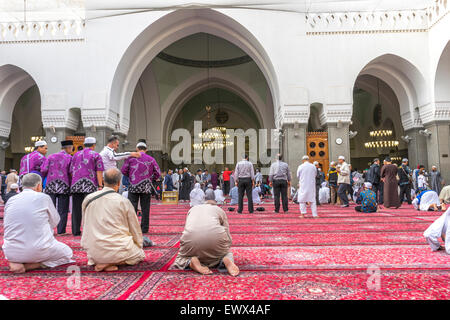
pixel 110 156
pixel 244 175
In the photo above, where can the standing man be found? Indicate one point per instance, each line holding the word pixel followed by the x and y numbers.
pixel 57 170
pixel 206 179
pixel 373 176
pixel 404 172
pixel 86 170
pixel 389 177
pixel 226 181
pixel 185 188
pixel 110 156
pixel 3 177
pixel 280 180
pixel 176 180
pixel 343 181
pixel 436 180
pixel 244 175
pixel 141 171
pixel 306 174
pixel 33 162
pixel 168 181
pixel 332 181
pixel 318 181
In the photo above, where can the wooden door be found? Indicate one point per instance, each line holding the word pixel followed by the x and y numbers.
pixel 317 149
pixel 78 143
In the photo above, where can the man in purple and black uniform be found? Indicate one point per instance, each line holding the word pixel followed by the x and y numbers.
pixel 34 161
pixel 141 171
pixel 86 170
pixel 57 170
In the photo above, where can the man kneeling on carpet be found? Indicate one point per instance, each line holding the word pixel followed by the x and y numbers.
pixel 367 200
pixel 439 229
pixel 30 218
pixel 206 240
pixel 112 235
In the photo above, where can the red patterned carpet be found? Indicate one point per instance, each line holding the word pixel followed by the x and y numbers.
pixel 343 255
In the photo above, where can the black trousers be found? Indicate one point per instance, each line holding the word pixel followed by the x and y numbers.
pixel 342 193
pixel 317 195
pixel 61 202
pixel 145 207
pixel 226 187
pixel 381 193
pixel 376 189
pixel 280 186
pixel 245 186
pixel 405 189
pixel 77 201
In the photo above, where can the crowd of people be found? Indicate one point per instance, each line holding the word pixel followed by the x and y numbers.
pixel 91 186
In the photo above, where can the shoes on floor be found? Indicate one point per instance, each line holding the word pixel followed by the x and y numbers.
pixel 345 206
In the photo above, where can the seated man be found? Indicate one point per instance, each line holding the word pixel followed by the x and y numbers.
pixel 112 235
pixel 13 192
pixel 30 219
pixel 206 240
pixel 444 196
pixel 256 195
pixel 428 200
pixel 324 193
pixel 234 194
pixel 367 199
pixel 197 195
pixel 439 229
pixel 218 193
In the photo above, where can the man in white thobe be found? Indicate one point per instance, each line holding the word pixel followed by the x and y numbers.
pixel 428 200
pixel 30 219
pixel 306 174
pixel 324 193
pixel 439 229
pixel 197 195
pixel 218 193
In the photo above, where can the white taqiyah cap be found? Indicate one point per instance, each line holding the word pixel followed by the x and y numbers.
pixel 341 158
pixel 90 140
pixel 305 158
pixel 40 143
pixel 141 144
pixel 14 186
pixel 368 185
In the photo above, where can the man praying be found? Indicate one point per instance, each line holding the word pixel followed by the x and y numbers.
pixel 439 229
pixel 30 219
pixel 206 240
pixel 112 235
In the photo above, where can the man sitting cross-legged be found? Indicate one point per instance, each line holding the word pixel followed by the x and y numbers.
pixel 206 240
pixel 30 218
pixel 367 200
pixel 112 235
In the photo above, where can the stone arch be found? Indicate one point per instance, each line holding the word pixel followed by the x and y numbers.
pixel 442 78
pixel 14 81
pixel 406 81
pixel 167 30
pixel 199 83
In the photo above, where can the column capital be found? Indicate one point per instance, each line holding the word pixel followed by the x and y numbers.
pixel 290 114
pixel 435 112
pixel 336 113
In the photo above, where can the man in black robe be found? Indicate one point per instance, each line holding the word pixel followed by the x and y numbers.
pixel 185 188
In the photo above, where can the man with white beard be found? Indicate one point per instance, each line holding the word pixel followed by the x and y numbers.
pixel 306 174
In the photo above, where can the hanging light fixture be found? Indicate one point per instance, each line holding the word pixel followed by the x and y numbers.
pixel 217 134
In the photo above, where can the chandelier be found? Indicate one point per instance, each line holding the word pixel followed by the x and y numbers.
pixel 218 136
pixel 33 140
pixel 379 142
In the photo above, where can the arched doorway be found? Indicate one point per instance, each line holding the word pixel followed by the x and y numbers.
pixel 20 116
pixel 191 73
pixel 390 100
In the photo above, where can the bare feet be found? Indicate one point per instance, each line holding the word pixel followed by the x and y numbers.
pixel 197 266
pixel 302 216
pixel 32 266
pixel 101 266
pixel 16 267
pixel 232 269
pixel 112 268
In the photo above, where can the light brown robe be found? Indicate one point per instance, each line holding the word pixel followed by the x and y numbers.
pixel 11 178
pixel 206 236
pixel 111 230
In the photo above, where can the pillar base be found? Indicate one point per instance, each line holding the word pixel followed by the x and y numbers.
pixel 101 134
pixel 417 148
pixel 2 152
pixel 438 148
pixel 338 133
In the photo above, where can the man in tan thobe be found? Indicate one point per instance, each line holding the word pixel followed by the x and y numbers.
pixel 206 240
pixel 112 235
pixel 11 178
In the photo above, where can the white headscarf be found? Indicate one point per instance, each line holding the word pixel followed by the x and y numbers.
pixel 197 195
pixel 219 195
